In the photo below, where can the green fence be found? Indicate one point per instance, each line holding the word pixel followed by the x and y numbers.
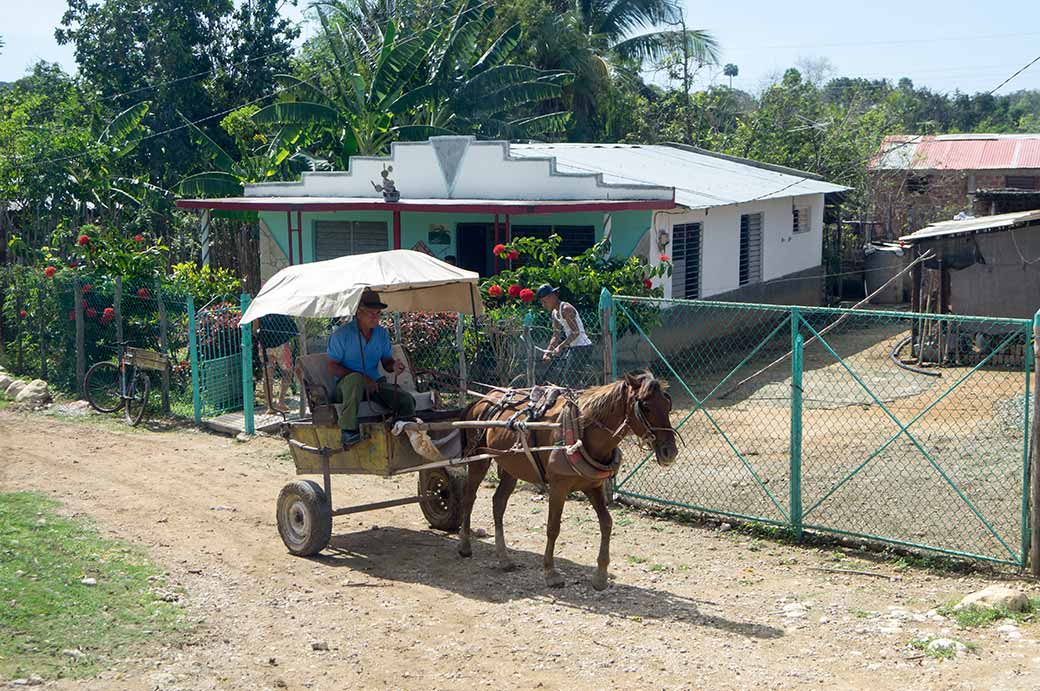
pixel 890 426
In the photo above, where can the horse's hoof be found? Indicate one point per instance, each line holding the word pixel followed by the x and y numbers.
pixel 506 566
pixel 465 551
pixel 599 583
pixel 554 580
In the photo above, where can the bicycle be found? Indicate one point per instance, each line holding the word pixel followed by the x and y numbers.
pixel 124 384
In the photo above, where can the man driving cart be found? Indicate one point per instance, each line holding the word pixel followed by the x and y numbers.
pixel 355 352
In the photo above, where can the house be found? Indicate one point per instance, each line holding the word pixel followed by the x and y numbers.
pixel 987 266
pixel 733 228
pixel 916 180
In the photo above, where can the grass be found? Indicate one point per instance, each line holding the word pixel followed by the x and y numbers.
pixel 939 653
pixel 633 559
pixel 51 623
pixel 974 617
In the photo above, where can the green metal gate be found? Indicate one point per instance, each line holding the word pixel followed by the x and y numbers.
pixel 822 419
pixel 216 348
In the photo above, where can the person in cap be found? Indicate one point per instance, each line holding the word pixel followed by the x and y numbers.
pixel 355 352
pixel 569 339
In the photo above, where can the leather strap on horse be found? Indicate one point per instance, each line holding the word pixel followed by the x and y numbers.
pixel 579 458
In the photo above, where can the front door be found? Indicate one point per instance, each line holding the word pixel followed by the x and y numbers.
pixel 473 247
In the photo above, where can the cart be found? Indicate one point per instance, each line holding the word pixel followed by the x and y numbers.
pixel 431 447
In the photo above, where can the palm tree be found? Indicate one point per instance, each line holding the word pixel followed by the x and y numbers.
pixel 731 71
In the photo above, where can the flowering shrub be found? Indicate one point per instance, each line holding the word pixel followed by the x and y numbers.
pixel 206 283
pixel 50 271
pixel 527 295
pixel 83 240
pixel 514 291
pixel 495 291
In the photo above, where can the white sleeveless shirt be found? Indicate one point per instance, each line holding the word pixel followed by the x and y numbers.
pixel 557 316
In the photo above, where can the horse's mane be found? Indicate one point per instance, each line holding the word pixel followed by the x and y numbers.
pixel 597 402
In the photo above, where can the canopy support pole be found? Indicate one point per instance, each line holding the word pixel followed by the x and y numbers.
pixel 509 238
pixel 397 230
pixel 288 234
pixel 299 231
pixel 497 240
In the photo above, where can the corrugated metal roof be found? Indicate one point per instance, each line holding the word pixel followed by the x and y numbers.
pixel 701 180
pixel 973 225
pixel 958 152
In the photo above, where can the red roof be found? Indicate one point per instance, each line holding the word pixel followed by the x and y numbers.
pixel 959 152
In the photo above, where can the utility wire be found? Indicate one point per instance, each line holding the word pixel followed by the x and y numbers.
pixel 1030 64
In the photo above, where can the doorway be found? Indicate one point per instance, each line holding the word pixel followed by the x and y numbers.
pixel 473 247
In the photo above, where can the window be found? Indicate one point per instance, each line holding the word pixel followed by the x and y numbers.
pixel 339 238
pixel 918 184
pixel 1020 182
pixel 802 221
pixel 574 239
pixel 750 248
pixel 686 261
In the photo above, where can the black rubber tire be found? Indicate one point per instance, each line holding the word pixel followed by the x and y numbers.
pixel 445 486
pixel 101 387
pixel 304 518
pixel 137 402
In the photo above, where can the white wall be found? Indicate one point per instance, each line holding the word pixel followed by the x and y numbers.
pixel 783 252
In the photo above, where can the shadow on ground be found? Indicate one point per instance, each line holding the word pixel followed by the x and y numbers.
pixel 430 558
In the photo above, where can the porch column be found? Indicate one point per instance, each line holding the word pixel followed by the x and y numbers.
pixel 397 230
pixel 299 234
pixel 509 238
pixel 204 236
pixel 288 234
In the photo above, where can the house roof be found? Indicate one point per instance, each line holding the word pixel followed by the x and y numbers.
pixel 958 152
pixel 969 226
pixel 500 206
pixel 701 179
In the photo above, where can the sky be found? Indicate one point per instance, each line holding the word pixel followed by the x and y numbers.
pixel 943 44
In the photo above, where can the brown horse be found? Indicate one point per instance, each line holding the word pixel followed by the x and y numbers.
pixel 637 404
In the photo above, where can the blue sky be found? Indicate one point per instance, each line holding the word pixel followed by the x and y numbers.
pixel 944 44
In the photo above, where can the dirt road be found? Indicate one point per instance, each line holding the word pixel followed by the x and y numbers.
pixel 690 607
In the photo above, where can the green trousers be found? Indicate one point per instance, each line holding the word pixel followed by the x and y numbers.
pixel 350 391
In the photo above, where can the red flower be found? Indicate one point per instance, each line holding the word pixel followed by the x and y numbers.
pixel 513 255
pixel 49 272
pixel 498 249
pixel 83 241
pixel 647 283
pixel 138 238
pixel 514 291
pixel 527 295
pixel 665 258
pixel 91 312
pixel 109 312
pixel 495 291
pixel 143 293
pixel 23 314
pixel 88 287
pixel 72 315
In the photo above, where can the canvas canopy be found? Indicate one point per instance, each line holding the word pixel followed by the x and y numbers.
pixel 407 281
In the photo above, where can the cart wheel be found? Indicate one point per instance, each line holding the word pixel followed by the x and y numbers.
pixel 304 518
pixel 444 508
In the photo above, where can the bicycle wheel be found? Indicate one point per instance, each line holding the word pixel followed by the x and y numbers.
pixel 137 397
pixel 101 386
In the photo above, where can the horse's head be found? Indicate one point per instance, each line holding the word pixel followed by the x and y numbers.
pixel 649 406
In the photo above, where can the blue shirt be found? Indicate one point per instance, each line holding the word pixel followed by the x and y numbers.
pixel 345 347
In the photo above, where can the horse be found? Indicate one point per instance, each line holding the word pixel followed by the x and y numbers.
pixel 598 417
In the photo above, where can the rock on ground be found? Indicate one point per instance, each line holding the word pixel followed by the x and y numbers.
pixel 34 394
pixel 995 596
pixel 5 381
pixel 943 644
pixel 14 388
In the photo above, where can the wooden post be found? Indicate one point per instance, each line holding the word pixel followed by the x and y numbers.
pixel 301 324
pixel 81 355
pixel 117 308
pixel 164 346
pixel 20 356
pixel 915 300
pixel 460 346
pixel 606 330
pixel 397 230
pixel 41 318
pixel 529 370
pixel 1034 457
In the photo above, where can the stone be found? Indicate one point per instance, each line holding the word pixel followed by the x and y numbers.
pixel 1009 631
pixel 5 381
pixel 725 527
pixel 74 653
pixel 35 394
pixel 939 645
pixel 995 597
pixel 319 645
pixel 89 581
pixel 35 680
pixel 13 389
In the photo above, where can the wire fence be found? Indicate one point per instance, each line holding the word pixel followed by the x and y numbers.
pixel 54 328
pixel 908 429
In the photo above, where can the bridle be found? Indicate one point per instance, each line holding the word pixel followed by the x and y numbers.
pixel 634 410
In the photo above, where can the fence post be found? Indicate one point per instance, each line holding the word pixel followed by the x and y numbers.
pixel 81 355
pixel 607 324
pixel 193 357
pixel 20 354
pixel 117 307
pixel 797 348
pixel 528 350
pixel 460 345
pixel 41 289
pixel 248 389
pixel 1034 484
pixel 164 346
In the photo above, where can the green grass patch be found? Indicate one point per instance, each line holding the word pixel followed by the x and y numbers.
pixel 944 653
pixel 54 625
pixel 634 559
pixel 976 616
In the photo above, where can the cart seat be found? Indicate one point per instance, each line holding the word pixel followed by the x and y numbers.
pixel 321 385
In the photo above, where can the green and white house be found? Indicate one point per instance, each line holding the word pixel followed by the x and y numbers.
pixel 731 226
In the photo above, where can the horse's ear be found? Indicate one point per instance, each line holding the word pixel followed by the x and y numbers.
pixel 634 380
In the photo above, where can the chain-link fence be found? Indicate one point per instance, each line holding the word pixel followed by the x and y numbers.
pixel 55 328
pixel 910 429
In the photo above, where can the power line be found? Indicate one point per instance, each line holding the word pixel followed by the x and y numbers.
pixel 1030 64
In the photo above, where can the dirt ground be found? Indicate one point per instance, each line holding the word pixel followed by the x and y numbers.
pixel 689 606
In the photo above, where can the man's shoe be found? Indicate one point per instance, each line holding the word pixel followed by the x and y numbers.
pixel 350 438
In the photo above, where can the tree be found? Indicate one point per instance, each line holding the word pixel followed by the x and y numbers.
pixel 731 71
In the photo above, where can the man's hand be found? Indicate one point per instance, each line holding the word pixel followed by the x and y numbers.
pixel 546 355
pixel 398 367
